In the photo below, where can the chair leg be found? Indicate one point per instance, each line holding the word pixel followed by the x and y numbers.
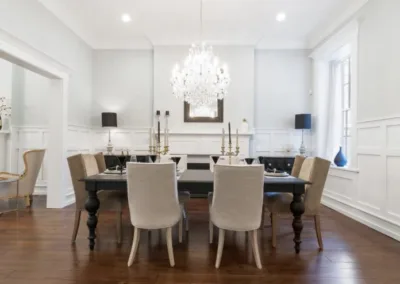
pixel 186 219
pixel 256 252
pixel 119 227
pixel 221 239
pixel 273 223
pixel 211 231
pixel 170 248
pixel 76 224
pixel 180 229
pixel 262 216
pixel 28 201
pixel 135 244
pixel 317 223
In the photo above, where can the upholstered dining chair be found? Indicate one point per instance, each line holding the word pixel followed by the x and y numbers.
pixel 153 201
pixel 223 160
pixel 315 170
pixel 298 162
pixel 101 162
pixel 84 165
pixel 183 196
pixel 33 160
pixel 237 203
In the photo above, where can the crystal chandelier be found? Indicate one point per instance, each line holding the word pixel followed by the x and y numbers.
pixel 201 81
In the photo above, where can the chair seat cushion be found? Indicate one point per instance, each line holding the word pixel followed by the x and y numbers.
pixel 183 196
pixel 278 202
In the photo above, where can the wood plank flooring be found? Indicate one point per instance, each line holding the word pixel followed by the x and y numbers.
pixel 35 248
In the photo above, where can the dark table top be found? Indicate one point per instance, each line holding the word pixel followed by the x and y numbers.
pixel 195 176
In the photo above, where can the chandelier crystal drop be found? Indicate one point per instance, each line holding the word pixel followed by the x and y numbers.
pixel 201 81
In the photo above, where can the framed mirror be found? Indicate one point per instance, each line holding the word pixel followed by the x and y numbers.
pixel 213 113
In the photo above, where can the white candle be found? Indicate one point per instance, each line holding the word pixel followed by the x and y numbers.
pixel 151 136
pixel 165 137
pixel 237 137
pixel 223 137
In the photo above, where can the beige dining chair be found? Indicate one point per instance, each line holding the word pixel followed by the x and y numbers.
pixel 314 170
pixel 298 162
pixel 237 203
pixel 153 201
pixel 183 196
pixel 33 160
pixel 223 160
pixel 84 165
pixel 101 162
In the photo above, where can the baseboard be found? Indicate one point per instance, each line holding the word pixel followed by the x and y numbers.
pixel 40 190
pixel 70 198
pixel 363 217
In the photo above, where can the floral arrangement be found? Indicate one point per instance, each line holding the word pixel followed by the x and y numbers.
pixel 4 109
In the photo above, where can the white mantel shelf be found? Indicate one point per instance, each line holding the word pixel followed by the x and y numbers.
pixel 4 132
pixel 208 133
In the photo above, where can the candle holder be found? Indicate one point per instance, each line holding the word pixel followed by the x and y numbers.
pixel 223 150
pixel 230 153
pixel 237 150
pixel 158 151
pixel 166 150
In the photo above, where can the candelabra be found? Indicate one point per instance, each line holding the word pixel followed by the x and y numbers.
pixel 158 151
pixel 223 150
pixel 230 153
pixel 237 150
pixel 166 149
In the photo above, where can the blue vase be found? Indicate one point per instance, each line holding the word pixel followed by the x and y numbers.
pixel 340 159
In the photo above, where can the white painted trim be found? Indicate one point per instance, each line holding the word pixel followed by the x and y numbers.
pixel 21 53
pixel 371 220
pixel 353 170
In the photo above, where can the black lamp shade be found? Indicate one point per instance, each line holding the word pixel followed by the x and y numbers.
pixel 109 119
pixel 303 121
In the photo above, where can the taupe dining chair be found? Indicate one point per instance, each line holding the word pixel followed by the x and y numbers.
pixel 84 165
pixel 315 170
pixel 298 162
pixel 153 201
pixel 237 203
pixel 101 162
pixel 33 160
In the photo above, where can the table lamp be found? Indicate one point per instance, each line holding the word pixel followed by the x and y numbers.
pixel 109 119
pixel 302 121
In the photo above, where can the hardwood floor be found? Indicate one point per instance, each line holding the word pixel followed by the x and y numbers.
pixel 36 249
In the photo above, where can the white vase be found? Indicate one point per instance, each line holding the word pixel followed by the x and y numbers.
pixel 244 128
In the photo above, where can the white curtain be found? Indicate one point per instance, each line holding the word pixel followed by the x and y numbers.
pixel 335 115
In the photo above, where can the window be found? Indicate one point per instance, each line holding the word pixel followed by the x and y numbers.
pixel 346 105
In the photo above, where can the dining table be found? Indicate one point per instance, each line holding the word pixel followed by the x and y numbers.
pixel 198 183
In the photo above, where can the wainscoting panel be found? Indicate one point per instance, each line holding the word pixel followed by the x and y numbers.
pixel 372 194
pixel 280 142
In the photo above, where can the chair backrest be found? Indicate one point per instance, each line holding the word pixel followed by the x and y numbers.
pixel 298 162
pixel 81 166
pixel 33 160
pixel 238 197
pixel 101 162
pixel 152 195
pixel 315 170
pixel 224 160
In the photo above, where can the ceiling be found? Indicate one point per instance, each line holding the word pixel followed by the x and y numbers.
pixel 178 22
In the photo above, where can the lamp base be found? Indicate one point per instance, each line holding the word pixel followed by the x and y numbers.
pixel 110 148
pixel 302 149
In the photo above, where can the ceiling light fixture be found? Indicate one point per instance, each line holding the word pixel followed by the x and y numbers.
pixel 201 81
pixel 126 18
pixel 281 17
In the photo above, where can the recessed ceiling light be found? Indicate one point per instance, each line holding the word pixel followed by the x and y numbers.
pixel 126 18
pixel 281 17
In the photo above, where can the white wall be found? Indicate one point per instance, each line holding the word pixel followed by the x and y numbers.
pixel 5 91
pixel 282 87
pixel 30 22
pixel 379 60
pixel 123 83
pixel 240 101
pixel 370 193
